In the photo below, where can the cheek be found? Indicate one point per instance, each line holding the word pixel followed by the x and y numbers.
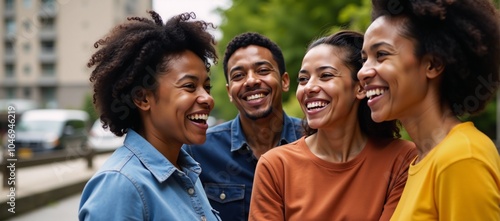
pixel 299 94
pixel 232 89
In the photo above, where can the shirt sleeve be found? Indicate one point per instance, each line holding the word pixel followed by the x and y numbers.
pixel 400 176
pixel 111 196
pixel 467 190
pixel 266 202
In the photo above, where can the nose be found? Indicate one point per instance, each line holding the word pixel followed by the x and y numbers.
pixel 206 99
pixel 252 79
pixel 311 87
pixel 365 74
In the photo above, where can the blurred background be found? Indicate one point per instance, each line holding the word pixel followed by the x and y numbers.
pixel 46 44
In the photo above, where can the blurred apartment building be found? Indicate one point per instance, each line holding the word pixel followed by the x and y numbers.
pixel 46 45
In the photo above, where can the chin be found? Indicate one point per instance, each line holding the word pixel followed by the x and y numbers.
pixel 197 140
pixel 377 118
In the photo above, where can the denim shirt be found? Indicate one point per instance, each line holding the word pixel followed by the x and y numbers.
pixel 138 183
pixel 228 165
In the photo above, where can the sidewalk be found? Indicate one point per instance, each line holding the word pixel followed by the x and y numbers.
pixel 40 185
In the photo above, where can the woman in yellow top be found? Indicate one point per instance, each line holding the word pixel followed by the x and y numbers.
pixel 426 63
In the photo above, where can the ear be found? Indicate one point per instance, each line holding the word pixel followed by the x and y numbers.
pixel 143 98
pixel 360 91
pixel 228 94
pixel 434 66
pixel 285 82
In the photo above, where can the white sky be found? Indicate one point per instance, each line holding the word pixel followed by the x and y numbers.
pixel 202 8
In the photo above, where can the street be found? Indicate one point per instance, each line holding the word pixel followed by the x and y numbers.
pixel 65 209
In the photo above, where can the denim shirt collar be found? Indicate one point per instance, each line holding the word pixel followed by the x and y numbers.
pixel 155 162
pixel 239 141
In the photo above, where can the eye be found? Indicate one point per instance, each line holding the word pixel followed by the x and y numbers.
pixel 189 85
pixel 363 59
pixel 208 88
pixel 236 76
pixel 263 71
pixel 327 75
pixel 302 79
pixel 381 54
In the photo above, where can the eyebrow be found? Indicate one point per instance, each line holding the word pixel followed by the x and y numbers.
pixel 377 45
pixel 192 77
pixel 235 68
pixel 259 63
pixel 321 68
pixel 256 64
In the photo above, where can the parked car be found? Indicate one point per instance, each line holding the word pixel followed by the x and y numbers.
pixel 101 139
pixel 46 130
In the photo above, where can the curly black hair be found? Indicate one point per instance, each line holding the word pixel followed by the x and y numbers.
pixel 464 36
pixel 253 38
pixel 132 57
pixel 351 43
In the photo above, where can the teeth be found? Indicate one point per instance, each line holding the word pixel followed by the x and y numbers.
pixel 198 117
pixel 255 96
pixel 378 91
pixel 316 104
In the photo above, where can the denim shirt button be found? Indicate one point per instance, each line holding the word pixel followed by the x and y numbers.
pixel 190 191
pixel 203 218
pixel 222 196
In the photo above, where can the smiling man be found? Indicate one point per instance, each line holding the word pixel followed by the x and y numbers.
pixel 254 69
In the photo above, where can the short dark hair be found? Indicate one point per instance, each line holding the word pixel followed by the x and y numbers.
pixel 134 54
pixel 351 43
pixel 253 38
pixel 463 35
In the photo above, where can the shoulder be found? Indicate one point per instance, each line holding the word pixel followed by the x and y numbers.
pixel 393 149
pixel 466 142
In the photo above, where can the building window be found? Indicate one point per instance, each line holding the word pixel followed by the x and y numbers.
pixel 10 92
pixel 27 3
pixel 130 7
pixel 27 92
pixel 48 97
pixel 49 4
pixel 48 70
pixel 27 69
pixel 27 47
pixel 47 23
pixel 9 47
pixel 10 26
pixel 47 46
pixel 9 5
pixel 9 70
pixel 27 25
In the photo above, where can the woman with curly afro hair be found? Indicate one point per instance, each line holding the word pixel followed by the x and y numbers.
pixel 151 82
pixel 427 63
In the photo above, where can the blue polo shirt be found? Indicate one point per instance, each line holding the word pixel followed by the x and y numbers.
pixel 228 165
pixel 138 183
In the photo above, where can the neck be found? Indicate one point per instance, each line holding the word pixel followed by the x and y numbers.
pixel 262 134
pixel 168 150
pixel 337 145
pixel 428 128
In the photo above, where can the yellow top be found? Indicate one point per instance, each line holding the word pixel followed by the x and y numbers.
pixel 458 180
